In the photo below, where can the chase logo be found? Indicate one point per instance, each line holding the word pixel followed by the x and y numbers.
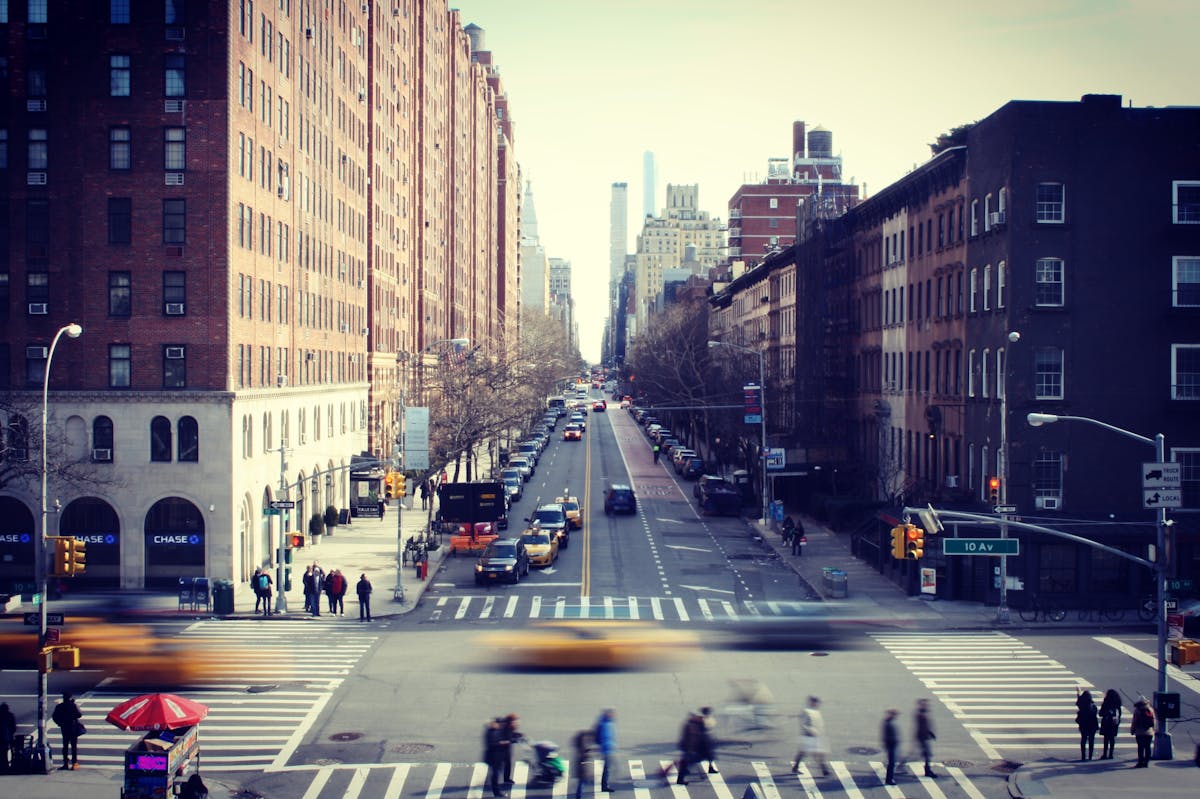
pixel 97 538
pixel 192 539
pixel 15 538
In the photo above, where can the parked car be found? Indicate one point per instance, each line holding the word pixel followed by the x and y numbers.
pixel 505 560
pixel 704 479
pixel 522 463
pixel 720 498
pixel 541 546
pixel 692 468
pixel 552 517
pixel 679 455
pixel 619 498
pixel 514 485
pixel 530 450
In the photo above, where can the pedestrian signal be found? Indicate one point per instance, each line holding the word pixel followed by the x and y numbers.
pixel 898 551
pixel 297 541
pixel 77 557
pixel 993 490
pixel 915 542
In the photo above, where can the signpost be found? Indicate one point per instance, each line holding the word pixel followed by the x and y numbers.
pixel 283 504
pixel 1162 485
pixel 981 546
pixel 55 619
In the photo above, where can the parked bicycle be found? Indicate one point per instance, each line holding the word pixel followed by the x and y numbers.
pixel 1101 613
pixel 1035 608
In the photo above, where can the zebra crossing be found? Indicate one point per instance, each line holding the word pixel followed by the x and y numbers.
pixel 522 606
pixel 265 683
pixel 642 777
pixel 1008 695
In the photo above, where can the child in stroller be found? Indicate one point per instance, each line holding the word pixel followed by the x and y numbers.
pixel 545 766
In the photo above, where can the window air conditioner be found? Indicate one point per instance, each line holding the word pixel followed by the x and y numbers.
pixel 175 308
pixel 35 105
pixel 37 353
pixel 38 308
pixel 952 481
pixel 1046 503
pixel 102 455
pixel 175 34
pixel 174 179
pixel 281 381
pixel 174 353
pixel 173 106
pixel 35 179
pixel 996 219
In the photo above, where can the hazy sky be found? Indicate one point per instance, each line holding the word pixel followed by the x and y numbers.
pixel 712 88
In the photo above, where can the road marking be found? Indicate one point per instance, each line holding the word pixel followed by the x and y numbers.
pixel 608 607
pixel 318 783
pixel 638 775
pixel 918 770
pixel 805 778
pixel 1178 675
pixel 687 548
pixel 438 782
pixel 846 779
pixel 730 611
pixel 765 781
pixel 719 787
pixel 511 607
pixel 706 588
pixel 356 783
pixel 656 608
pixel 488 603
pixel 475 786
pixel 680 610
pixel 396 783
pixel 535 607
pixel 968 787
pixel 634 613
pixel 560 605
pixel 462 608
pixel 704 609
pixel 881 771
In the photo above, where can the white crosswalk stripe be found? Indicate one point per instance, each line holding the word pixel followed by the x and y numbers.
pixel 1007 694
pixel 479 607
pixel 272 679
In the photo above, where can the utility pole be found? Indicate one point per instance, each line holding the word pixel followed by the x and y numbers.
pixel 280 566
pixel 398 591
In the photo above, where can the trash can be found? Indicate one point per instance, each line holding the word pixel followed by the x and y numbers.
pixel 835 582
pixel 222 597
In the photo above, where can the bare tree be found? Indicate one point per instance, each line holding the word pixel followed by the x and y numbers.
pixel 20 448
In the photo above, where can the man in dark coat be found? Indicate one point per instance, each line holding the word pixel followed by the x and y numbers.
pixel 494 753
pixel 67 715
pixel 891 742
pixel 8 734
pixel 364 598
pixel 924 734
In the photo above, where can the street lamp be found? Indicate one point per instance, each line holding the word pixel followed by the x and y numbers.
pixel 1162 739
pixel 1002 612
pixel 762 388
pixel 74 331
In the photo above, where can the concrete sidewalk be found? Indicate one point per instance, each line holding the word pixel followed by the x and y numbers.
pixel 1104 779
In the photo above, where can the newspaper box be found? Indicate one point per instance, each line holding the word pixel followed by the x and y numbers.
pixel 154 762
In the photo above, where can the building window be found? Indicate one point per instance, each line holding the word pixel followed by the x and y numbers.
pixel 984 372
pixel 120 149
pixel 1190 467
pixel 987 213
pixel 1185 202
pixel 120 294
pixel 39 152
pixel 1048 373
pixel 174 222
pixel 119 72
pixel 174 366
pixel 119 365
pixel 774 203
pixel 175 149
pixel 1001 376
pixel 174 293
pixel 189 440
pixel 102 439
pixel 120 220
pixel 17 434
pixel 1047 478
pixel 38 13
pixel 37 287
pixel 1051 202
pixel 1001 277
pixel 1049 284
pixel 987 287
pixel 118 12
pixel 1185 371
pixel 971 373
pixel 5 299
pixel 175 76
pixel 160 439
pixel 1185 281
pixel 35 365
pixel 974 218
pixel 3 148
pixel 973 288
pixel 174 9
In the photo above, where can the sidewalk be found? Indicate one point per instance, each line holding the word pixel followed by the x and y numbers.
pixel 1104 779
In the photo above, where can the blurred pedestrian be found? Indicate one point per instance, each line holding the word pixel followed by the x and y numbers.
pixel 194 788
pixel 923 732
pixel 1088 721
pixel 256 587
pixel 493 753
pixel 510 735
pixel 363 590
pixel 1141 728
pixel 8 734
pixel 891 742
pixel 709 741
pixel 67 716
pixel 606 740
pixel 812 737
pixel 424 492
pixel 1110 723
pixel 585 766
pixel 798 539
pixel 318 587
pixel 787 529
pixel 309 583
pixel 691 746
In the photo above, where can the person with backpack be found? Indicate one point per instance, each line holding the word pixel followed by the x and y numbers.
pixel 263 590
pixel 1110 723
pixel 1088 721
pixel 1142 730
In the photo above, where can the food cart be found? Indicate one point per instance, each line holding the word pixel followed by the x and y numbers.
pixel 158 760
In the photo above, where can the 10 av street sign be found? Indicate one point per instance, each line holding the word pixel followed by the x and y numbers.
pixel 981 546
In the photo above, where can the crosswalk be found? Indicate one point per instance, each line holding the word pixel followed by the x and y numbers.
pixel 267 683
pixel 1007 694
pixel 642 778
pixel 525 606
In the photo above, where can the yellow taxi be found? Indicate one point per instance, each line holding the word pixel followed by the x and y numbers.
pixel 589 644
pixel 573 510
pixel 541 546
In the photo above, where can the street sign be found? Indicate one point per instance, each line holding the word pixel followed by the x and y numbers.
pixel 1172 605
pixel 981 546
pixel 283 504
pixel 1179 585
pixel 1162 485
pixel 52 635
pixel 1005 509
pixel 35 619
pixel 272 512
pixel 776 458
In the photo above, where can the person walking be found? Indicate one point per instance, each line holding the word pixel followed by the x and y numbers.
pixel 891 743
pixel 1088 721
pixel 493 734
pixel 424 492
pixel 8 734
pixel 1110 723
pixel 318 587
pixel 585 768
pixel 335 589
pixel 606 740
pixel 691 746
pixel 924 734
pixel 257 588
pixel 67 715
pixel 509 736
pixel 1141 728
pixel 655 450
pixel 709 741
pixel 812 737
pixel 787 529
pixel 194 788
pixel 798 539
pixel 264 591
pixel 364 598
pixel 309 590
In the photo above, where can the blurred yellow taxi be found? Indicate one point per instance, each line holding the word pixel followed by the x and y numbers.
pixel 573 509
pixel 541 546
pixel 590 644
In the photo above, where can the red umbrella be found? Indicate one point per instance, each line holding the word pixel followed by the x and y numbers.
pixel 156 712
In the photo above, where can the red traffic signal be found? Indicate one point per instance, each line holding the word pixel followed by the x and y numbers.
pixel 297 541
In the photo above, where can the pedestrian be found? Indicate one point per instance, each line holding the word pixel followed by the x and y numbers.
pixel 1088 721
pixel 424 492
pixel 1110 723
pixel 709 741
pixel 8 734
pixel 691 746
pixel 194 788
pixel 67 716
pixel 655 453
pixel 309 589
pixel 1142 729
pixel 585 766
pixel 787 529
pixel 264 591
pixel 606 740
pixel 335 589
pixel 318 587
pixel 798 539
pixel 924 734
pixel 812 736
pixel 343 584
pixel 493 733
pixel 364 598
pixel 891 743
pixel 510 735
pixel 254 586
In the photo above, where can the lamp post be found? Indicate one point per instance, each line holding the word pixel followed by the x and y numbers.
pixel 1162 739
pixel 74 331
pixel 762 388
pixel 1002 612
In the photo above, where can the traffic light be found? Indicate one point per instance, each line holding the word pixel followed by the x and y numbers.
pixel 62 556
pixel 915 542
pixel 388 484
pixel 77 557
pixel 297 541
pixel 898 543
pixel 993 490
pixel 400 485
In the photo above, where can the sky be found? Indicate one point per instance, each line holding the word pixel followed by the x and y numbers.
pixel 712 88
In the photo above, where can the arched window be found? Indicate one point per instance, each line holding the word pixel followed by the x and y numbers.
pixel 160 439
pixel 18 438
pixel 102 439
pixel 189 440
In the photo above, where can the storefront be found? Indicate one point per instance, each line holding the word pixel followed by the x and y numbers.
pixel 17 547
pixel 95 522
pixel 175 543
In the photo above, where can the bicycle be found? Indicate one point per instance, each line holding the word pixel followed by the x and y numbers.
pixel 1101 613
pixel 1035 608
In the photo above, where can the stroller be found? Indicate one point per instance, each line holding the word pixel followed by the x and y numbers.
pixel 545 766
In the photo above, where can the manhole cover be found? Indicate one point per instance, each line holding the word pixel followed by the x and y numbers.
pixel 412 749
pixel 326 761
pixel 820 654
pixel 345 736
pixel 862 750
pixel 958 763
pixel 259 689
pixel 1006 765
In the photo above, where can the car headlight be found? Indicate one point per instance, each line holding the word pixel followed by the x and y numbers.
pixel 478 567
pixel 508 568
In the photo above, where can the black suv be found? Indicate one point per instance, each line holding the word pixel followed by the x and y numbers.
pixel 552 518
pixel 619 498
pixel 504 561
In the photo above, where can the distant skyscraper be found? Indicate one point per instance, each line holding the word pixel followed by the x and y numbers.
pixel 535 285
pixel 618 236
pixel 649 184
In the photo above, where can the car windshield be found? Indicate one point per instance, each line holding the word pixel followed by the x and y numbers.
pixel 570 506
pixel 512 479
pixel 501 551
pixel 549 516
pixel 512 474
pixel 536 538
